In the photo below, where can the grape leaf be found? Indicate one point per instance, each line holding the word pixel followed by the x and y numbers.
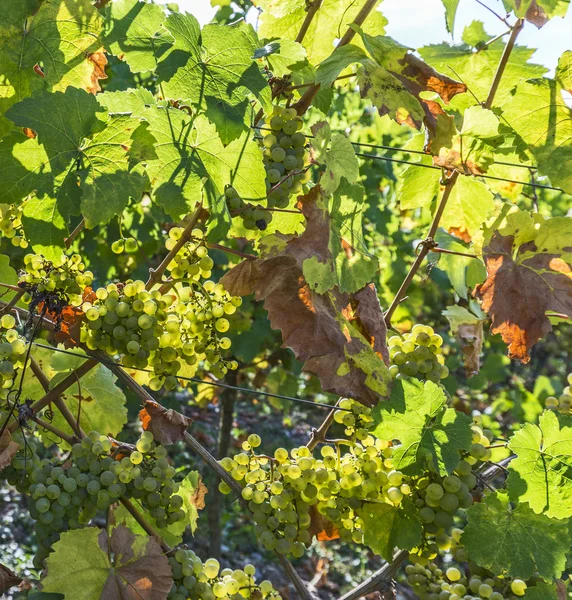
pixel 418 187
pixel 329 23
pixel 431 434
pixel 546 129
pixel 537 12
pixel 524 541
pixel 470 204
pixel 215 64
pixel 167 425
pixel 564 71
pixel 387 527
pixel 8 450
pixel 139 569
pixel 337 154
pixel 8 578
pixel 7 275
pixel 61 36
pixel 541 473
pixel 450 13
pixel 135 33
pixel 326 331
pixel 77 160
pixel 331 249
pixel 340 58
pixel 475 34
pixel 477 69
pixel 287 57
pixel 469 332
pixel 545 591
pixel 528 263
pixel 190 149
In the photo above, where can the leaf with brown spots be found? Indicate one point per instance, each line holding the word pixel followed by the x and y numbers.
pixel 167 425
pixel 340 337
pixel 529 272
pixel 537 12
pixel 8 579
pixel 124 566
pixel 8 449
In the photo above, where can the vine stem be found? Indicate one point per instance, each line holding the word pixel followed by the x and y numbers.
pixel 10 305
pixel 155 275
pixel 319 435
pixel 69 240
pixel 59 401
pixel 71 440
pixel 312 10
pixel 147 527
pixel 230 250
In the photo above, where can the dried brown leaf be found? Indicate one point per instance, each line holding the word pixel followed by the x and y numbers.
pixel 8 449
pixel 8 579
pixel 99 62
pixel 470 336
pixel 139 573
pixel 167 425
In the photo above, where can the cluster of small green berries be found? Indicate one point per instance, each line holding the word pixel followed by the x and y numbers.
pixel 66 279
pixel 355 417
pixel 254 216
pixel 11 225
pixel 418 354
pixel 121 245
pixel 68 495
pixel 12 354
pixel 195 579
pixel 430 582
pixel 562 404
pixel 192 261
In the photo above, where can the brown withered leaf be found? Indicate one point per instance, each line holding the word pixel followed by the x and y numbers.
pixel 99 62
pixel 321 528
pixel 198 497
pixel 470 336
pixel 139 572
pixel 325 331
pixel 167 425
pixel 8 579
pixel 8 449
pixel 529 272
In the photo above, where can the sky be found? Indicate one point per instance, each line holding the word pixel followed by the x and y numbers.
pixel 417 23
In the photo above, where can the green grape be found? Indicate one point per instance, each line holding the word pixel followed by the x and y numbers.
pixel 131 245
pixel 11 224
pixel 118 246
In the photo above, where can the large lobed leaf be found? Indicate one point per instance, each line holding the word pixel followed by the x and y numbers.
pixel 139 569
pixel 541 473
pixel 524 542
pixel 431 435
pixel 529 264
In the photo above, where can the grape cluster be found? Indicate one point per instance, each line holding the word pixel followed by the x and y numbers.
pixel 418 354
pixel 430 582
pixel 562 404
pixel 195 579
pixel 12 354
pixel 275 495
pixel 121 245
pixel 192 261
pixel 68 495
pixel 355 417
pixel 64 282
pixel 285 161
pixel 11 225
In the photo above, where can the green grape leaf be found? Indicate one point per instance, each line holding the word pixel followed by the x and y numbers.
pixel 139 568
pixel 475 34
pixel 329 23
pixel 387 527
pixel 547 131
pixel 431 434
pixel 541 473
pixel 545 591
pixel 340 338
pixel 212 65
pixel 135 33
pixel 537 12
pixel 337 154
pixel 45 226
pixel 331 249
pixel 59 35
pixel 288 57
pixel 524 542
pixel 564 71
pixel 131 100
pixel 103 406
pixel 477 69
pixel 463 272
pixel 7 275
pixel 340 58
pixel 418 187
pixel 188 150
pixel 469 206
pixel 450 13
pixel 528 261
pixel 77 161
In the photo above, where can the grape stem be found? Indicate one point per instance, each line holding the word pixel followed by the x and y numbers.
pixel 155 275
pixel 69 240
pixel 147 527
pixel 71 440
pixel 230 250
pixel 319 435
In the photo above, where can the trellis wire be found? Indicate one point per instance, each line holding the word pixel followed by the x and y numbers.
pixel 194 379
